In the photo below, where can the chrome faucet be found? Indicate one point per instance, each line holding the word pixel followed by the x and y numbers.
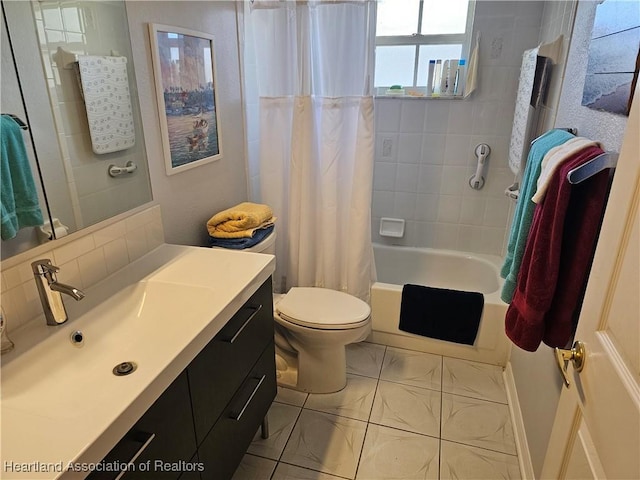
pixel 50 289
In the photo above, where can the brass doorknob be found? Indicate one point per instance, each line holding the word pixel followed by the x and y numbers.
pixel 577 355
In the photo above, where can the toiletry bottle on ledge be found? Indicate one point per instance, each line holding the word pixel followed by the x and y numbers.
pixel 432 67
pixel 437 78
pixel 444 75
pixel 458 88
pixel 452 73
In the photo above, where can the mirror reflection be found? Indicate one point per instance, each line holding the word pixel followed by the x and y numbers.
pixel 72 138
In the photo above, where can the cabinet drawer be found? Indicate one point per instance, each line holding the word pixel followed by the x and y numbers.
pixel 192 474
pixel 230 437
pixel 163 434
pixel 223 364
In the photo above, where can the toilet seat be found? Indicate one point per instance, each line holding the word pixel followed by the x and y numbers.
pixel 322 308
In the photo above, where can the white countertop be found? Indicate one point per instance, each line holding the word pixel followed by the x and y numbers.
pixel 61 403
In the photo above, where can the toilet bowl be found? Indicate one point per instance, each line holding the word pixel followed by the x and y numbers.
pixel 312 327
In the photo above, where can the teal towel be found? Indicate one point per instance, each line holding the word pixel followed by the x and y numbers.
pixel 525 207
pixel 18 196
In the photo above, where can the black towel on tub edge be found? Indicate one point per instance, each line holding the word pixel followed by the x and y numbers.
pixel 440 313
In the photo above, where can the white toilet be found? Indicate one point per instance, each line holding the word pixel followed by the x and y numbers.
pixel 312 328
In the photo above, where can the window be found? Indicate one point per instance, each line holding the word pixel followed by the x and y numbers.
pixel 409 33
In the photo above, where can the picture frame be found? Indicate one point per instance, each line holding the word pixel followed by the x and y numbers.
pixel 613 58
pixel 184 68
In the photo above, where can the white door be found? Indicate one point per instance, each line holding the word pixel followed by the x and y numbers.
pixel 596 432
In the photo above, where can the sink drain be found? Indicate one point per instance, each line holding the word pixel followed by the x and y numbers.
pixel 124 368
pixel 77 338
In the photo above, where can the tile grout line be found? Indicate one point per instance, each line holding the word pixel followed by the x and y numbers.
pixel 375 392
pixel 404 430
pixel 457 442
pixel 288 438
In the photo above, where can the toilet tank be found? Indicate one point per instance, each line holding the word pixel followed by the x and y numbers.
pixel 268 245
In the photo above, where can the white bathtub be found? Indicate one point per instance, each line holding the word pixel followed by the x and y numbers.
pixel 397 266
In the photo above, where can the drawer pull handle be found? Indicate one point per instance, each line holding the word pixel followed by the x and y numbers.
pixel 235 414
pixel 137 454
pixel 247 321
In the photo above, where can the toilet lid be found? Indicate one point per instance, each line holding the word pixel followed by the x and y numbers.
pixel 323 308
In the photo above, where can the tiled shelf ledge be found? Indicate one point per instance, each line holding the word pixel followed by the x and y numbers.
pixel 414 92
pixel 419 97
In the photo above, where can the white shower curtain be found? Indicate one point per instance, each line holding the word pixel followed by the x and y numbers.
pixel 313 61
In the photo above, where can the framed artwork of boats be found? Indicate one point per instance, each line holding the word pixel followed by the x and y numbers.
pixel 186 90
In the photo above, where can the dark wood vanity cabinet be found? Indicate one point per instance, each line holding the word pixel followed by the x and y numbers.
pixel 202 424
pixel 233 383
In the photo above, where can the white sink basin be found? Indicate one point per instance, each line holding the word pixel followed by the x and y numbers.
pixel 133 325
pixel 62 402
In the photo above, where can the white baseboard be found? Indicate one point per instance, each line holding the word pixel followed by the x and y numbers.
pixel 522 447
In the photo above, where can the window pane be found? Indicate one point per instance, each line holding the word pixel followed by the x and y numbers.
pixel 444 17
pixel 434 52
pixel 394 65
pixel 397 17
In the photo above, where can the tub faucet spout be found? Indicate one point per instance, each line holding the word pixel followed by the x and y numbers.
pixel 50 291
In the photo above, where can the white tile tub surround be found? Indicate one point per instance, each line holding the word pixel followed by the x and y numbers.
pixel 425 147
pixel 85 258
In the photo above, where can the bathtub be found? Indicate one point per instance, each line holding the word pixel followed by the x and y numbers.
pixel 397 266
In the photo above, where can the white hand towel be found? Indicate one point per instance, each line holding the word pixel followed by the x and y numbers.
pixel 106 96
pixel 554 158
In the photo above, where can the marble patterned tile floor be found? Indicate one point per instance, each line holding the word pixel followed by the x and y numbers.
pixel 403 415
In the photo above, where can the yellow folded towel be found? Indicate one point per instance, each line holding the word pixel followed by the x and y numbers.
pixel 248 233
pixel 240 221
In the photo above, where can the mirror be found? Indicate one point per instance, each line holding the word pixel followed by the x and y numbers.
pixel 73 182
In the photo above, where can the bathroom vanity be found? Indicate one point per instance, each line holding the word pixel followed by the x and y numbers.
pixel 202 424
pixel 197 323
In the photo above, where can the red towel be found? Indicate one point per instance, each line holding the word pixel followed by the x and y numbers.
pixel 557 258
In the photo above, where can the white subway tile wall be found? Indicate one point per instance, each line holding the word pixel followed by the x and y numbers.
pixel 83 261
pixel 425 147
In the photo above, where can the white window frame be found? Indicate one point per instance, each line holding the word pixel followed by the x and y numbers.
pixel 418 39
